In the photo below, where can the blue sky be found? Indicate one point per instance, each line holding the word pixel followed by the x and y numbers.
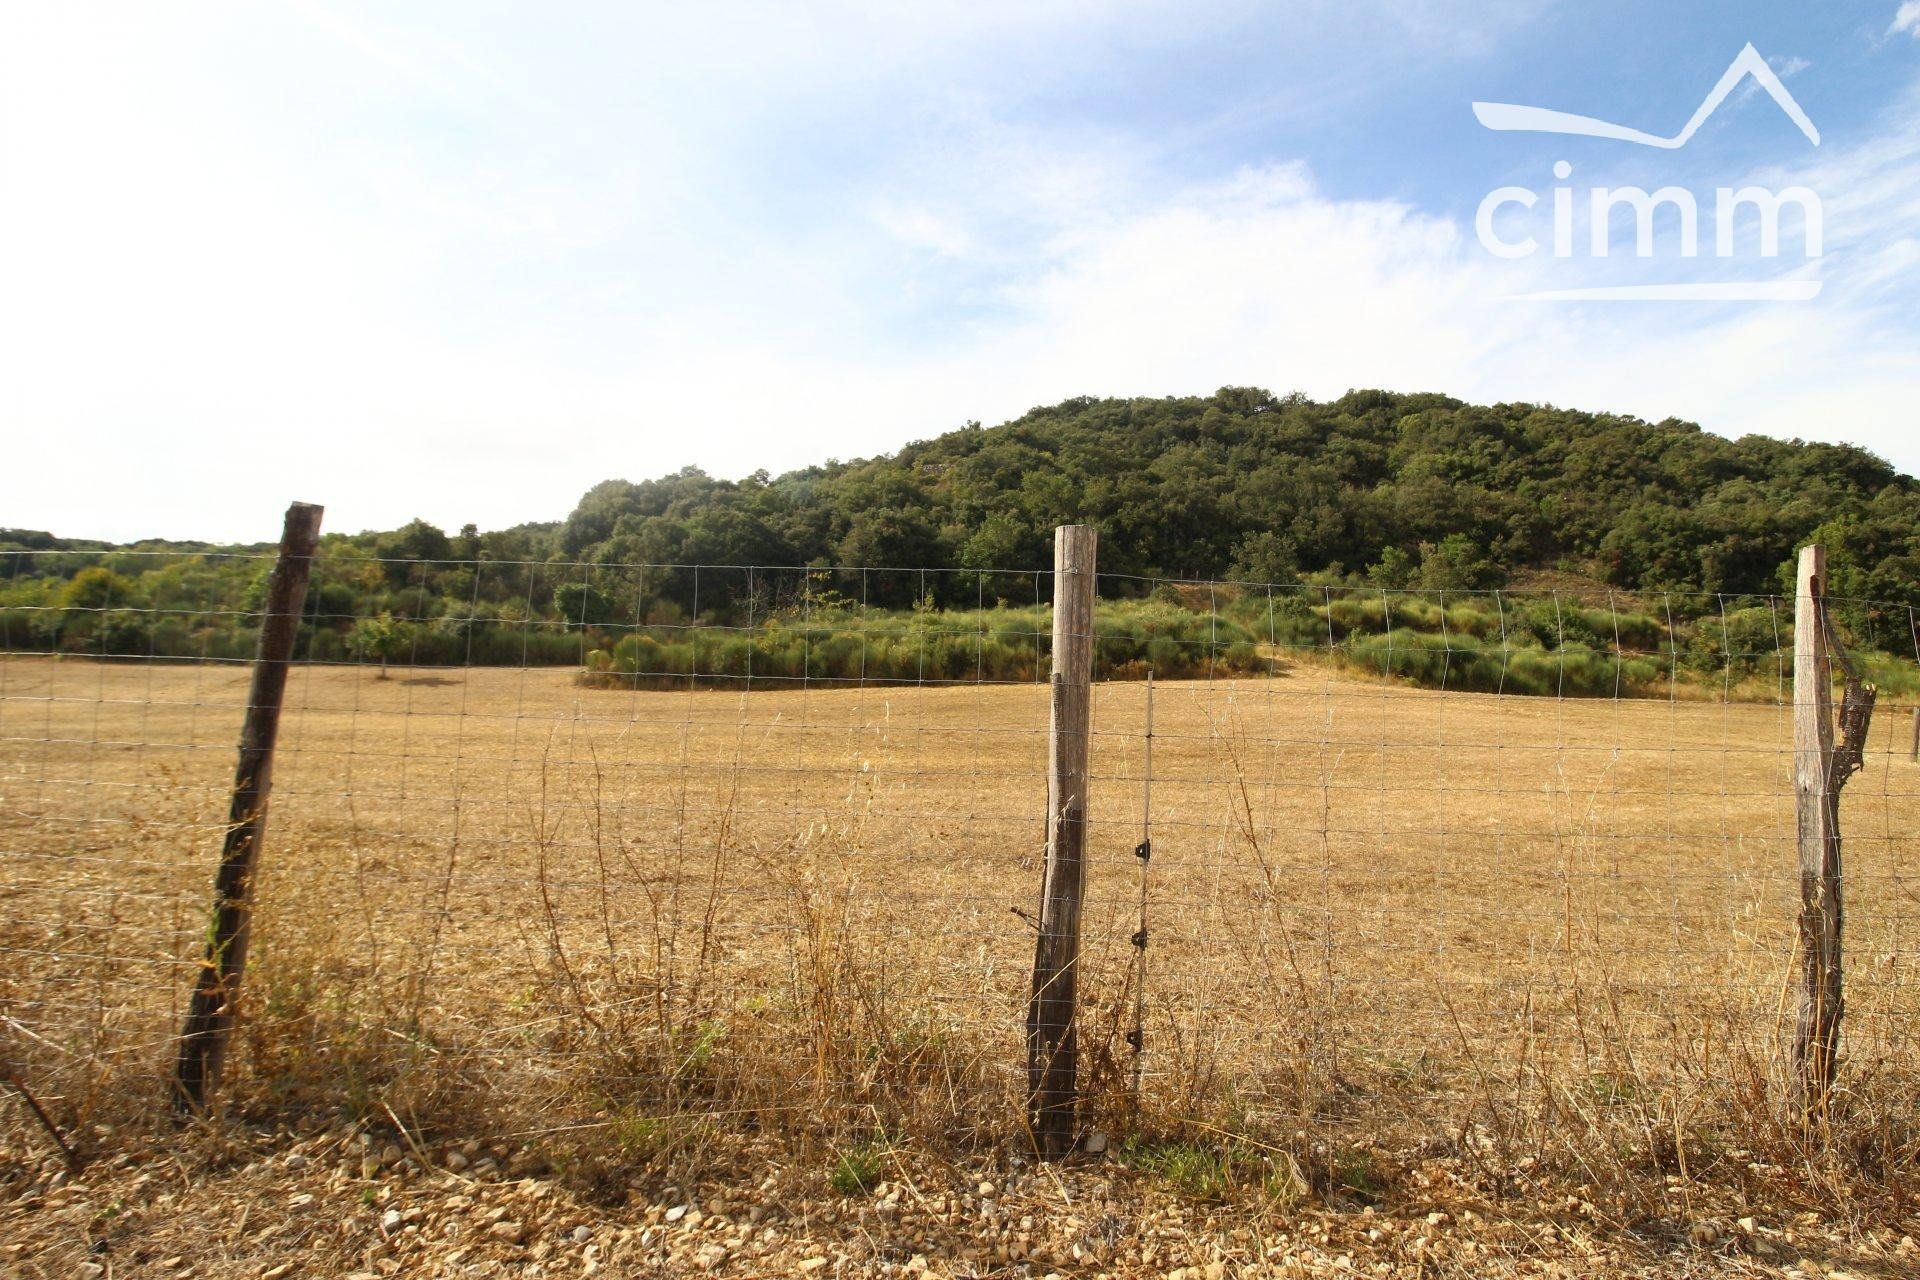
pixel 464 260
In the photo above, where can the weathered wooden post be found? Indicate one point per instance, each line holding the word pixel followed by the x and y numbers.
pixel 1817 1027
pixel 1915 753
pixel 216 993
pixel 1052 1051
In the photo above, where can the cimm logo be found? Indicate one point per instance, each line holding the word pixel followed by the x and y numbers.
pixel 1602 202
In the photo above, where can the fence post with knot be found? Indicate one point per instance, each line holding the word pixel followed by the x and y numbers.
pixel 1820 770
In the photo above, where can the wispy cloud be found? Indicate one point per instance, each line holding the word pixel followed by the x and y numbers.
pixel 1907 19
pixel 1266 278
pixel 465 267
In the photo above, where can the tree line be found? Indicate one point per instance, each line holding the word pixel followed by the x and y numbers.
pixel 1374 491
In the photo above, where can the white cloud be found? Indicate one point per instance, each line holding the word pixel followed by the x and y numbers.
pixel 1297 291
pixel 921 228
pixel 1907 19
pixel 540 282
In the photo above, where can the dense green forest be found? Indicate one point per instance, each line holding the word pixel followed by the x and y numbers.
pixel 1405 490
pixel 934 551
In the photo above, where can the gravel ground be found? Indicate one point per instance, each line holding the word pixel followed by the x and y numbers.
pixel 358 1203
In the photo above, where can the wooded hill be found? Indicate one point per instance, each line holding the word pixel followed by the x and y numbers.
pixel 1676 535
pixel 1401 490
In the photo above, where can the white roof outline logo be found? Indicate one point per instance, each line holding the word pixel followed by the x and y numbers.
pixel 1507 116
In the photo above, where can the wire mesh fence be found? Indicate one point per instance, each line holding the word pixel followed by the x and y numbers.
pixel 583 846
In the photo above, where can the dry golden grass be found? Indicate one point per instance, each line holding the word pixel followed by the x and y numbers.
pixel 1541 932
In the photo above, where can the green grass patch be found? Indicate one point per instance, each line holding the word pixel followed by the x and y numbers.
pixel 860 1168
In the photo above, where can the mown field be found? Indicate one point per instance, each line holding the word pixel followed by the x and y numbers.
pixel 1556 933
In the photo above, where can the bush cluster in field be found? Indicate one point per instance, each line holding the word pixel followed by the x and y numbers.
pixel 778 627
pixel 1488 643
pixel 839 644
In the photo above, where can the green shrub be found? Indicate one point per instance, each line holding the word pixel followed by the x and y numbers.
pixel 859 1169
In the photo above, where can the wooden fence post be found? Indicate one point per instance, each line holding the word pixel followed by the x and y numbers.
pixel 1817 1027
pixel 216 993
pixel 1915 753
pixel 1052 1051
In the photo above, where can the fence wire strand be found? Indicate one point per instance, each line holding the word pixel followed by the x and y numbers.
pixel 722 837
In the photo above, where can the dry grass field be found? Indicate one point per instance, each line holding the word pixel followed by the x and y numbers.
pixel 1550 939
